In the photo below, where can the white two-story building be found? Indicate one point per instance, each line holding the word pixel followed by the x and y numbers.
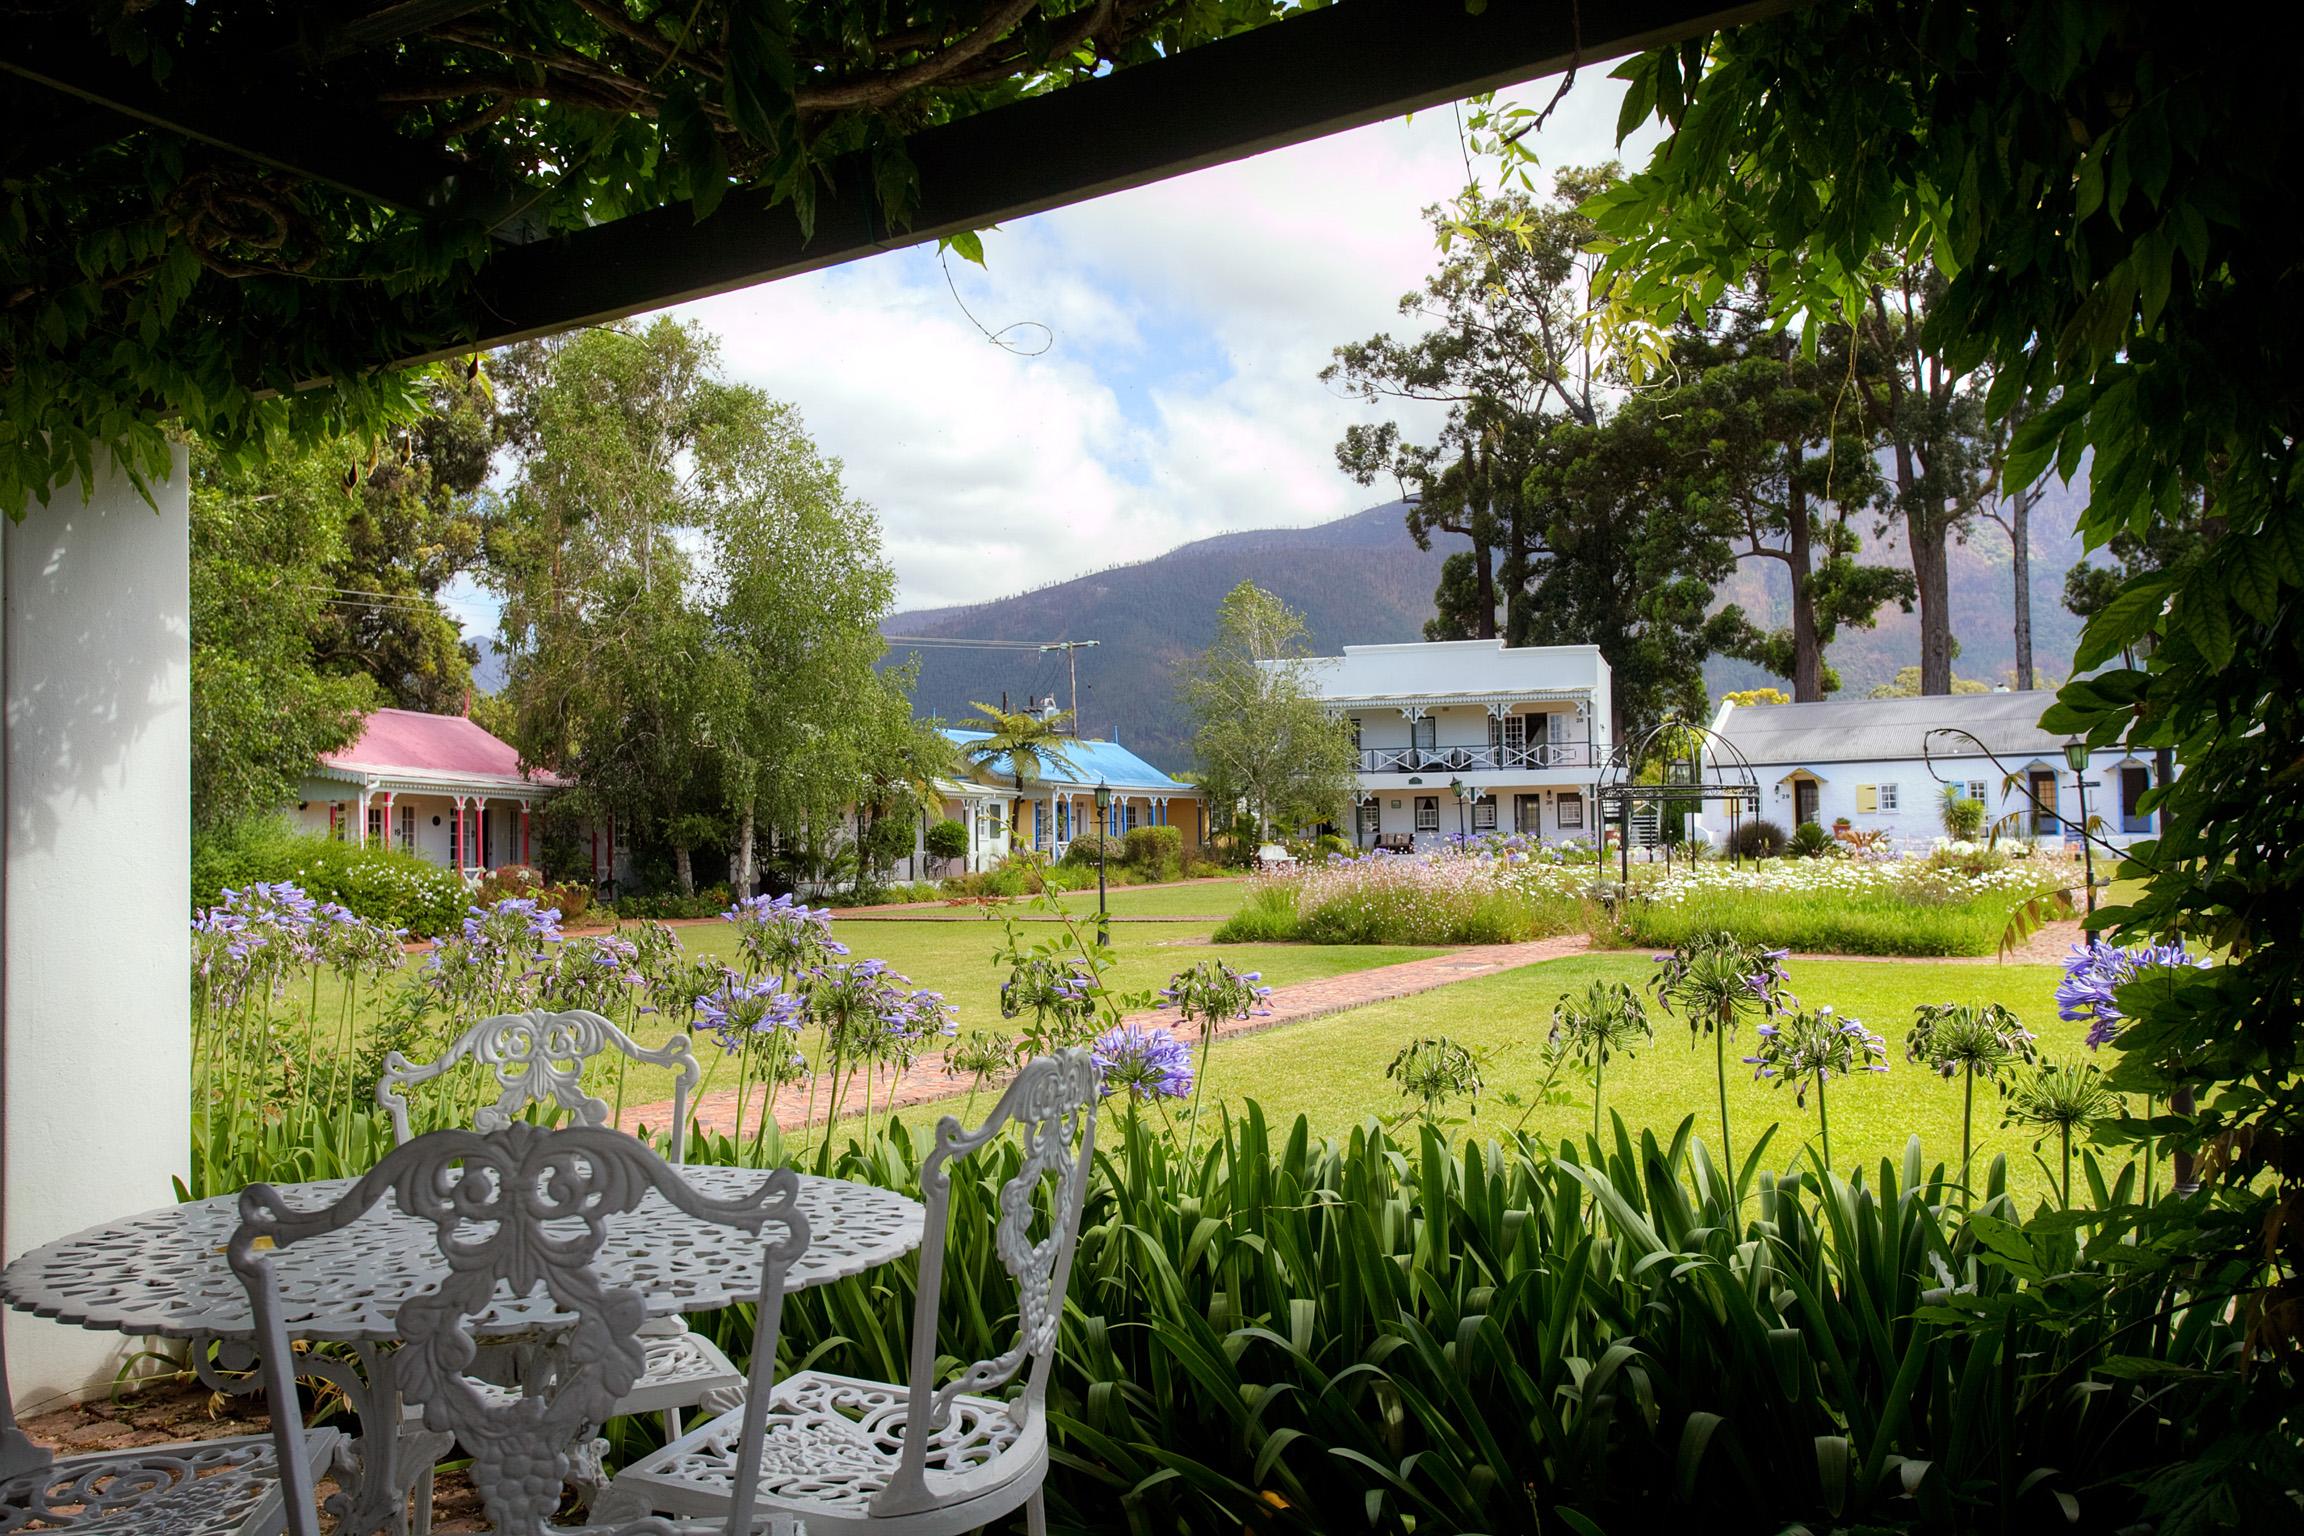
pixel 1467 737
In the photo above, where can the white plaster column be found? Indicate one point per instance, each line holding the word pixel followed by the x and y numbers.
pixel 98 1035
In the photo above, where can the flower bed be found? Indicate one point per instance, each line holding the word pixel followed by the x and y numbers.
pixel 1841 906
pixel 1467 896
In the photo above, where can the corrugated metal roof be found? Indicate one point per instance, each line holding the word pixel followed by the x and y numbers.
pixel 1870 730
pixel 1091 762
pixel 407 740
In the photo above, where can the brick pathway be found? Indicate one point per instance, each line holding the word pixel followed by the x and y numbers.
pixel 1289 1005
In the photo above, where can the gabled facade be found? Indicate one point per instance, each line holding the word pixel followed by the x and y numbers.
pixel 1875 764
pixel 1058 804
pixel 437 786
pixel 1467 737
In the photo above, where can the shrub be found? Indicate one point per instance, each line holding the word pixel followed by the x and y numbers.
pixel 508 880
pixel 571 898
pixel 1810 840
pixel 1157 851
pixel 1084 848
pixel 1757 840
pixel 1967 858
pixel 709 901
pixel 1963 818
pixel 1023 873
pixel 948 840
pixel 382 885
pixel 903 892
pixel 1268 916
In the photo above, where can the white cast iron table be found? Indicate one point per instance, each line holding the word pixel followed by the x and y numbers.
pixel 162 1274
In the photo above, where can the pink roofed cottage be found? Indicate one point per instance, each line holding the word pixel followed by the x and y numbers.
pixel 438 786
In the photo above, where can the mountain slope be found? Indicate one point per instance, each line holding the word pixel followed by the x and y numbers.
pixel 1357 580
pixel 1361 580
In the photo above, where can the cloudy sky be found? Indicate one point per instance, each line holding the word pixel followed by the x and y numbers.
pixel 1178 392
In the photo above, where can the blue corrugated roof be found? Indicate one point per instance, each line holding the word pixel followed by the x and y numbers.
pixel 1091 762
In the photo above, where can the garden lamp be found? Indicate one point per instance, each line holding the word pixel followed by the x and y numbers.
pixel 2076 756
pixel 1103 810
pixel 1463 798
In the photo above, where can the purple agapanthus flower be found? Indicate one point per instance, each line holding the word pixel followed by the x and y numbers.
pixel 742 1012
pixel 1142 1061
pixel 2095 971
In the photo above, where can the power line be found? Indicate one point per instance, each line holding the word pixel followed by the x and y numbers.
pixel 949 642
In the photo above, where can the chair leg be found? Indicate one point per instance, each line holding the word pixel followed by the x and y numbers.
pixel 427 1488
pixel 671 1425
pixel 1036 1514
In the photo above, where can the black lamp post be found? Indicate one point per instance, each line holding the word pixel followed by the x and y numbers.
pixel 2076 758
pixel 1103 806
pixel 1463 799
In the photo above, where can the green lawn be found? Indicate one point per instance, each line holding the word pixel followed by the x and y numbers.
pixel 956 958
pixel 1332 1069
pixel 1199 898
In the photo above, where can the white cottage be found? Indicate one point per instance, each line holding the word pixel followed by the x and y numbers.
pixel 1868 762
pixel 1464 737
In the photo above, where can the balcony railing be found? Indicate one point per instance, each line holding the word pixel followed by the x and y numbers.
pixel 1542 754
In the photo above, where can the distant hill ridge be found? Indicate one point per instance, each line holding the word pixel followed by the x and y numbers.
pixel 1361 580
pixel 1358 579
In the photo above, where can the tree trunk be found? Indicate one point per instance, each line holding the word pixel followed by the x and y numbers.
pixel 1924 526
pixel 684 870
pixel 1487 618
pixel 740 871
pixel 2020 543
pixel 1931 573
pixel 1807 650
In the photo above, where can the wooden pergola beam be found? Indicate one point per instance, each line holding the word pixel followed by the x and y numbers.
pixel 270 109
pixel 1282 84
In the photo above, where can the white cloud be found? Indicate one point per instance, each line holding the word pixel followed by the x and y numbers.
pixel 1179 395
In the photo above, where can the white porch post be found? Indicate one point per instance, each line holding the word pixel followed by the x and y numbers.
pixel 96 650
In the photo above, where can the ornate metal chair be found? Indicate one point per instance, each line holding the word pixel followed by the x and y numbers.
pixel 519 1210
pixel 539 1058
pixel 229 1487
pixel 845 1454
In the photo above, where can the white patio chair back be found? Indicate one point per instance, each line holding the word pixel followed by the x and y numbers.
pixel 518 1210
pixel 539 1057
pixel 1052 1104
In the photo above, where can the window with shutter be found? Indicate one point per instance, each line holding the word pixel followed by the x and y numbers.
pixel 1867 799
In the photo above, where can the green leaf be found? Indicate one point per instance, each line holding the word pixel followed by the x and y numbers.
pixel 1695 1438
pixel 2132 614
pixel 2201 616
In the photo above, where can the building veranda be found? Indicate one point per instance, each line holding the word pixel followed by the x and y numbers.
pixel 1462 738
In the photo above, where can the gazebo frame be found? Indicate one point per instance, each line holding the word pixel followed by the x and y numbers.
pixel 1699 765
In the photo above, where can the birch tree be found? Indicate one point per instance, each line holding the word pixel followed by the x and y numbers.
pixel 1261 736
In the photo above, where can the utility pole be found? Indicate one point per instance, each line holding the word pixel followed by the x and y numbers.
pixel 1071 650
